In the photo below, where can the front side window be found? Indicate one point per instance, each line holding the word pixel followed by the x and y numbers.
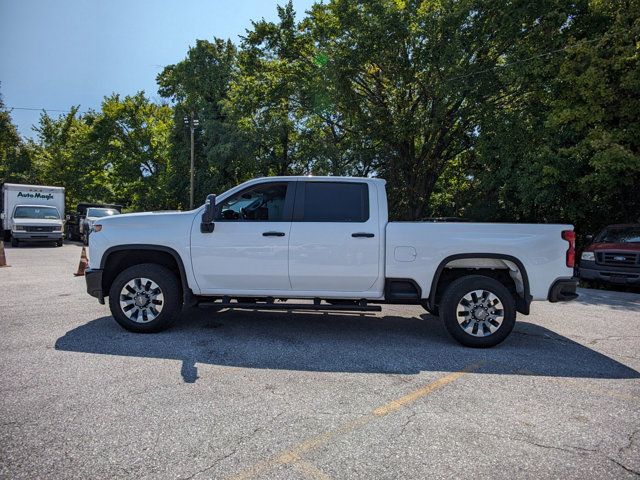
pixel 261 203
pixel 39 213
pixel 335 202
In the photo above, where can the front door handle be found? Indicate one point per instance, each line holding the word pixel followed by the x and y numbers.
pixel 273 234
pixel 363 235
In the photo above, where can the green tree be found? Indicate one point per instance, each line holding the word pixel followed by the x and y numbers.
pixel 415 78
pixel 131 142
pixel 15 158
pixel 198 85
pixel 62 155
pixel 265 98
pixel 569 151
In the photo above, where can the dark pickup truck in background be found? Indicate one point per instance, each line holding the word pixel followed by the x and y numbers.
pixel 613 256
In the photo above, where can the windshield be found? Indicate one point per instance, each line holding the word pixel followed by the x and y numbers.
pixel 101 212
pixel 619 235
pixel 40 213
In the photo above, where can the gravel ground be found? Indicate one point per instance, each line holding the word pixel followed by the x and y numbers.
pixel 309 395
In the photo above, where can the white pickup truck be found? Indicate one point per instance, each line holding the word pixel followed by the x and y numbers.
pixel 328 240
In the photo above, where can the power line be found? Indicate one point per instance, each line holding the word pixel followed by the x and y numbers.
pixel 524 60
pixel 38 109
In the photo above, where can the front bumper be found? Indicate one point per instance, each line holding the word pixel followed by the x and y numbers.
pixel 37 236
pixel 93 278
pixel 563 290
pixel 608 274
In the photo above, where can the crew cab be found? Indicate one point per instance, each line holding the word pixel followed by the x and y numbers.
pixel 327 241
pixel 613 256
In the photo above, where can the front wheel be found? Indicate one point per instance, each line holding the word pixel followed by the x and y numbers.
pixel 478 311
pixel 15 242
pixel 145 298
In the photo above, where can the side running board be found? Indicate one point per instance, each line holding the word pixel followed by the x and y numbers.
pixel 317 305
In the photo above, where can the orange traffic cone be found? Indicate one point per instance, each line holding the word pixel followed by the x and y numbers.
pixel 3 258
pixel 84 263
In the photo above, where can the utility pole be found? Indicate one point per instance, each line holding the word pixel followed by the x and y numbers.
pixel 192 123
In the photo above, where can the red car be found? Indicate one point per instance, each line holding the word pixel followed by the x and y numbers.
pixel 613 256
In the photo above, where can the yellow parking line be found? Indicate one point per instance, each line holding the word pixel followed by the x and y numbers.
pixel 311 471
pixel 294 455
pixel 397 404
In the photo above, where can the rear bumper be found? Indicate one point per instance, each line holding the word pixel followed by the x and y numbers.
pixel 563 290
pixel 94 283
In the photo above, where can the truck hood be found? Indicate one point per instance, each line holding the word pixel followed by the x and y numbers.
pixel 36 222
pixel 632 247
pixel 142 219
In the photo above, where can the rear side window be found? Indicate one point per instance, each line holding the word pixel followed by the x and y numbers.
pixel 335 202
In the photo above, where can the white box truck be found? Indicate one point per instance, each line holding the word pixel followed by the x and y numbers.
pixel 32 213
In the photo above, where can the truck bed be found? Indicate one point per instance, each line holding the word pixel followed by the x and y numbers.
pixel 416 250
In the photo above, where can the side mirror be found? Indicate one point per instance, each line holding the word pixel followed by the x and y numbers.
pixel 208 215
pixel 588 238
pixel 68 217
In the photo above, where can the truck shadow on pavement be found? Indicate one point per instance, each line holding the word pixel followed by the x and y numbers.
pixel 340 343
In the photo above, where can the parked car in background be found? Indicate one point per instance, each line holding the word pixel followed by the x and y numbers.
pixel 613 256
pixel 94 214
pixel 32 213
pixel 77 221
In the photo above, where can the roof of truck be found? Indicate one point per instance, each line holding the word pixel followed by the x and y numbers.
pixel 323 178
pixel 30 186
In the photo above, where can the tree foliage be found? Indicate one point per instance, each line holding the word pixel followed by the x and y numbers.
pixel 525 111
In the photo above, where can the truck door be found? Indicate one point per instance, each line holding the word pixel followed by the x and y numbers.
pixel 334 244
pixel 248 249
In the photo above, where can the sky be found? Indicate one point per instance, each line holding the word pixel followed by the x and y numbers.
pixel 59 53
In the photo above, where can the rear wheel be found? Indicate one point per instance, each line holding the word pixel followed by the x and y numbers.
pixel 478 311
pixel 145 298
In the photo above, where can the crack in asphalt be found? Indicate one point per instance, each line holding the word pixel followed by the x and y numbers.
pixel 213 464
pixel 573 449
pixel 408 421
pixel 631 439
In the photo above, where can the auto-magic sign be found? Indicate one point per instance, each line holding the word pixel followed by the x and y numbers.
pixel 38 195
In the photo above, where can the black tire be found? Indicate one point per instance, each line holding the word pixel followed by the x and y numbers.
pixel 453 299
pixel 58 243
pixel 169 288
pixel 15 242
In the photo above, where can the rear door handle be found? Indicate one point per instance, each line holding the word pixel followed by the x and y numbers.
pixel 363 235
pixel 273 234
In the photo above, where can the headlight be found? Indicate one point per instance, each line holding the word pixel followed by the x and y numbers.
pixel 588 256
pixel 19 227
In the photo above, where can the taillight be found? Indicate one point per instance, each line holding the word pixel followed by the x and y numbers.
pixel 570 236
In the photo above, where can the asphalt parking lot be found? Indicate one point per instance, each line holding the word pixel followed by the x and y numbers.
pixel 231 394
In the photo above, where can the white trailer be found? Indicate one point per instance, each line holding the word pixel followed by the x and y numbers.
pixel 32 224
